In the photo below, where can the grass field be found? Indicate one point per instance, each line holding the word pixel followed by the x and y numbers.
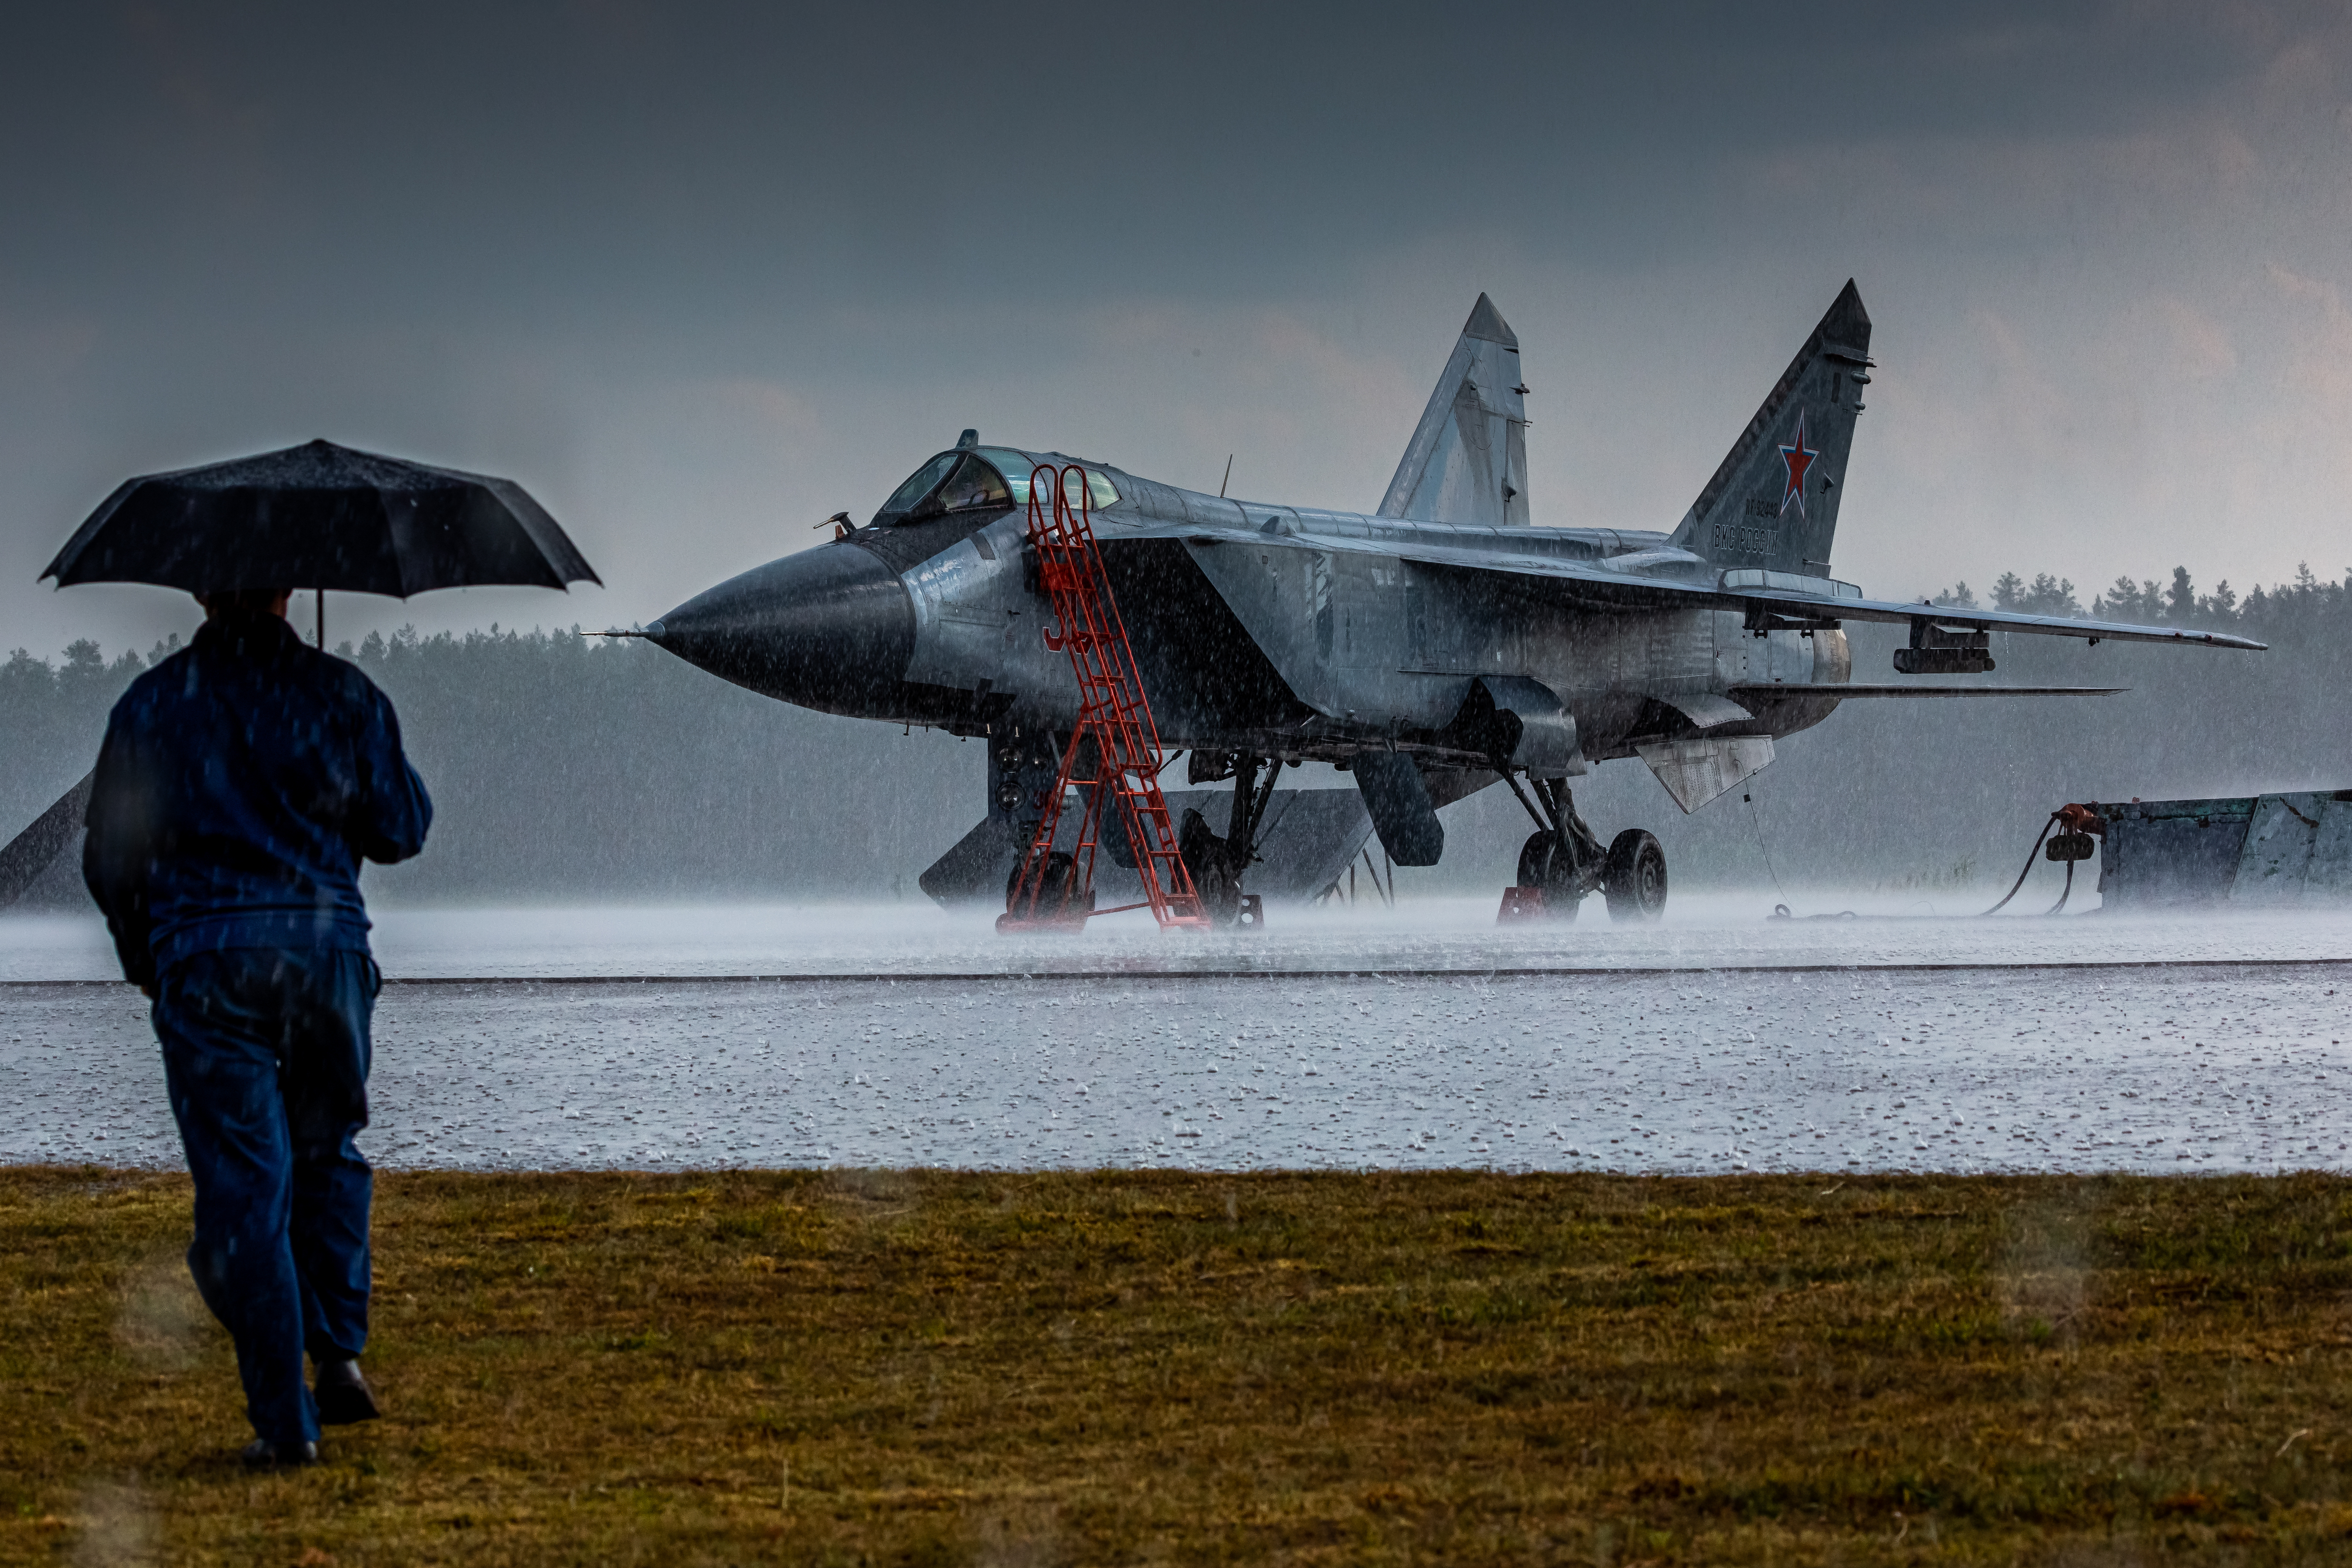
pixel 917 1369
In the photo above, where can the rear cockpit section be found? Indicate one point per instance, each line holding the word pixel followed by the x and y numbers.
pixel 980 480
pixel 1017 466
pixel 958 492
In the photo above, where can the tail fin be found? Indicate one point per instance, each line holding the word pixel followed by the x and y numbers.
pixel 1467 461
pixel 1774 501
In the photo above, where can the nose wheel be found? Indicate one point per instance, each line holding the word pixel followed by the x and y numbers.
pixel 1059 901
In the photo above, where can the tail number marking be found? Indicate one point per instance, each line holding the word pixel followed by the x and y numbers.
pixel 1744 539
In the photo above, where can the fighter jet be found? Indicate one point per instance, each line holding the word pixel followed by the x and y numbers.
pixel 1432 648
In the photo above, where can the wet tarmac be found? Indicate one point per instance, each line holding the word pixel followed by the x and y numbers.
pixel 1350 1040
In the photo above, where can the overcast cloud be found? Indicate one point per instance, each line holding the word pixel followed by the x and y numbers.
pixel 699 276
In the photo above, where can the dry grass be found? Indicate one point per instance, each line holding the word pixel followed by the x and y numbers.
pixel 914 1368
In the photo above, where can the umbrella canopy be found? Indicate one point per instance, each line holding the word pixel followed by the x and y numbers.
pixel 320 515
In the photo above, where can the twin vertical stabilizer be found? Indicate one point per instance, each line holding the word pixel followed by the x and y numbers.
pixel 1773 501
pixel 1467 462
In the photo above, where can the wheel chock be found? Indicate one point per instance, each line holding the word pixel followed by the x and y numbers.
pixel 1520 903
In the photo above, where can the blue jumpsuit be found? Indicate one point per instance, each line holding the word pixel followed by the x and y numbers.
pixel 242 781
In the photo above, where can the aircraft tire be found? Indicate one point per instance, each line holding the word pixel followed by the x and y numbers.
pixel 1054 898
pixel 1220 894
pixel 1213 876
pixel 1634 879
pixel 1541 865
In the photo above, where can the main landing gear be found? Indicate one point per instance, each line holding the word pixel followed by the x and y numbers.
pixel 1564 860
pixel 1218 864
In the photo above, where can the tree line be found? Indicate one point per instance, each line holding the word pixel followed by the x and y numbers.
pixel 2309 600
pixel 567 766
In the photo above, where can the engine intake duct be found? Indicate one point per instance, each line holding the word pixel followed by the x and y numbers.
pixel 1940 649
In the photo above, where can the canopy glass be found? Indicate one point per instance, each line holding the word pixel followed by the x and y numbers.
pixel 977 480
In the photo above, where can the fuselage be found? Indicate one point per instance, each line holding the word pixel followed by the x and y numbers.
pixel 1270 630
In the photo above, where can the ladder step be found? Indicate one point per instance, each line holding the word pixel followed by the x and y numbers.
pixel 1114 712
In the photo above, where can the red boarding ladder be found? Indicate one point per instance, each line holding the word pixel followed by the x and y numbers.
pixel 1115 748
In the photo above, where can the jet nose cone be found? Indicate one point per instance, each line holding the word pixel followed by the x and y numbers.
pixel 830 628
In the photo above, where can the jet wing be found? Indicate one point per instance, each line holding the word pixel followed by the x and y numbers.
pixel 1978 619
pixel 1652 583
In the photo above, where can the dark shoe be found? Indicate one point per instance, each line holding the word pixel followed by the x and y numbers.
pixel 343 1394
pixel 262 1454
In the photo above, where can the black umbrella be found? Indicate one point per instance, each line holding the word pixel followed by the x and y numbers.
pixel 321 517
pixel 318 516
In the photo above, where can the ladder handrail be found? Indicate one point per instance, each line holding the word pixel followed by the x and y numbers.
pixel 1115 728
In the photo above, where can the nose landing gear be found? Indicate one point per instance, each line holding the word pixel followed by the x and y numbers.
pixel 1218 864
pixel 1564 860
pixel 1060 903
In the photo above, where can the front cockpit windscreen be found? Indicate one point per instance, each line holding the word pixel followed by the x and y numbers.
pixel 921 483
pixel 951 483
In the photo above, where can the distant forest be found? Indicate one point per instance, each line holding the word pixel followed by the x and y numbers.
pixel 2307 600
pixel 572 768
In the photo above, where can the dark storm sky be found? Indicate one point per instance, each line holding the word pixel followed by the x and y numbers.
pixel 699 276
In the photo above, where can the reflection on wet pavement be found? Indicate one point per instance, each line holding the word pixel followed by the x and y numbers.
pixel 2207 1066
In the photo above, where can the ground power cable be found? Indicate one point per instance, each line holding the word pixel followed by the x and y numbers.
pixel 2030 856
pixel 1780 911
pixel 2064 892
pixel 1757 826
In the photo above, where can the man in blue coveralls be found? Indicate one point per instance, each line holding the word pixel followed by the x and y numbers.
pixel 242 781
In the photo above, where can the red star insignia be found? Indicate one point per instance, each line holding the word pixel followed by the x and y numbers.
pixel 1800 459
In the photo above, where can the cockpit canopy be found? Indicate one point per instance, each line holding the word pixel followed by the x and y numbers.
pixel 976 480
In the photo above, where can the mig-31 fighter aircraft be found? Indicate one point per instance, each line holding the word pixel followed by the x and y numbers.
pixel 1432 648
